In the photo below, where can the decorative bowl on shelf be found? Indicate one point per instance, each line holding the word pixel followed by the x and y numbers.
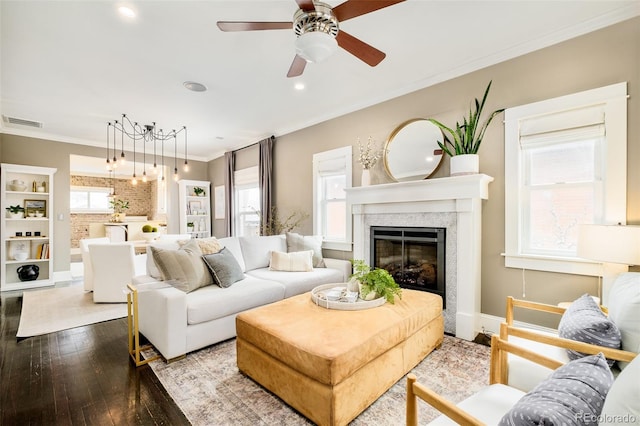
pixel 20 256
pixel 17 187
pixel 39 214
pixel 32 214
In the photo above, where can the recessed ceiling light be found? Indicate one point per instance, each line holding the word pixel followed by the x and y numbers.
pixel 299 86
pixel 195 87
pixel 126 11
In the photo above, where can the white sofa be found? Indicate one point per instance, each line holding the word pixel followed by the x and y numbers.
pixel 176 322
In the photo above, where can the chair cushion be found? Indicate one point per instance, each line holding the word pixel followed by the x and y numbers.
pixel 299 261
pixel 573 395
pixel 583 321
pixel 256 251
pixel 623 400
pixel 624 310
pixel 224 268
pixel 183 268
pixel 297 242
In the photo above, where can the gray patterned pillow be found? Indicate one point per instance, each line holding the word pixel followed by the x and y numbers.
pixel 583 321
pixel 572 395
pixel 224 268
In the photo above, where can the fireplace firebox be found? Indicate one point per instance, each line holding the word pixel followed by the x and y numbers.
pixel 414 256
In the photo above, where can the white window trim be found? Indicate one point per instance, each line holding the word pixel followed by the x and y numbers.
pixel 338 153
pixel 243 179
pixel 614 97
pixel 91 189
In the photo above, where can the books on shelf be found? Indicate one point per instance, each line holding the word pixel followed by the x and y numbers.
pixel 43 251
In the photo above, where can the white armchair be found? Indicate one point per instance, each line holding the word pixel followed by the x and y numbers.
pixel 86 259
pixel 113 268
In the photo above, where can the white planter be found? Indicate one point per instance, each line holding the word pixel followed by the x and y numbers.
pixel 465 164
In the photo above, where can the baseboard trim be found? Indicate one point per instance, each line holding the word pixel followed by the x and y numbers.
pixel 62 276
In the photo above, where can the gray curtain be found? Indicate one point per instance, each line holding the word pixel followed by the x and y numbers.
pixel 230 160
pixel 265 171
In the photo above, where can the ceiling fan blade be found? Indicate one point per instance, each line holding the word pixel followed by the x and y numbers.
pixel 353 8
pixel 253 26
pixel 297 66
pixel 361 50
pixel 306 5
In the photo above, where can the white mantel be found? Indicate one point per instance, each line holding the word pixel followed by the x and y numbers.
pixel 451 202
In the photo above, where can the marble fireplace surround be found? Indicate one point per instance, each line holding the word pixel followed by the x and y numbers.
pixel 454 203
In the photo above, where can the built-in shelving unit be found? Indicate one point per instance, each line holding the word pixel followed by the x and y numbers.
pixel 27 237
pixel 195 208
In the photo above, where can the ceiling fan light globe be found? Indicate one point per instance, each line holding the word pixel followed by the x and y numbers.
pixel 316 46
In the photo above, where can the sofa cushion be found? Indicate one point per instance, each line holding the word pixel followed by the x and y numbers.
pixel 183 268
pixel 233 244
pixel 297 242
pixel 152 267
pixel 300 261
pixel 573 395
pixel 624 310
pixel 299 282
pixel 223 267
pixel 213 302
pixel 583 321
pixel 256 251
pixel 623 399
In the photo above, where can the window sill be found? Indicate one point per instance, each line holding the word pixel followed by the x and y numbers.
pixel 553 264
pixel 337 245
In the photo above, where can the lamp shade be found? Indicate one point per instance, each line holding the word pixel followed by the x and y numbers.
pixel 610 243
pixel 316 46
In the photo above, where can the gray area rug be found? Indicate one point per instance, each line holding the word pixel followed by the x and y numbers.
pixel 209 389
pixel 55 309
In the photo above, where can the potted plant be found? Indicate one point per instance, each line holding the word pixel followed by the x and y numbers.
pixel 119 206
pixel 189 226
pixel 149 232
pixel 198 191
pixel 467 137
pixel 15 212
pixel 373 282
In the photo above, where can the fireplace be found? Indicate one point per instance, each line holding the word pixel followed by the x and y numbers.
pixel 414 256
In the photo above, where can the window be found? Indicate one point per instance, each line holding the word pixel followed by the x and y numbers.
pixel 331 175
pixel 565 165
pixel 85 199
pixel 247 202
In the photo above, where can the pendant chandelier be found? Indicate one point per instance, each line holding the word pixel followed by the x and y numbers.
pixel 150 137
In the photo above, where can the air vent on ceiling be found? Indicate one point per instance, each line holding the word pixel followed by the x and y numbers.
pixel 22 122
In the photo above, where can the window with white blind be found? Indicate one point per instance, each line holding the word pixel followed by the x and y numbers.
pixel 87 199
pixel 565 165
pixel 331 175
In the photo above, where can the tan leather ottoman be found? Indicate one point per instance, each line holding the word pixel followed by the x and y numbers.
pixel 329 364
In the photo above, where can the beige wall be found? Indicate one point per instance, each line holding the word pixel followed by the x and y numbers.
pixel 45 153
pixel 601 58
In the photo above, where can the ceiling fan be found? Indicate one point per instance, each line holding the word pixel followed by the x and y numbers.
pixel 317 26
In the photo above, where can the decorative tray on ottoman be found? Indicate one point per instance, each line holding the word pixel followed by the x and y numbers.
pixel 336 296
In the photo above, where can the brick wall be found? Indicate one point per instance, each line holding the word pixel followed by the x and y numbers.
pixel 142 202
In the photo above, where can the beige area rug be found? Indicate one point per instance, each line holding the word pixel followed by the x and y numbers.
pixel 55 309
pixel 210 390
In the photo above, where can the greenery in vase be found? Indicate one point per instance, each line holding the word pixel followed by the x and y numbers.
pixel 375 279
pixel 467 136
pixel 197 190
pixel 118 205
pixel 15 209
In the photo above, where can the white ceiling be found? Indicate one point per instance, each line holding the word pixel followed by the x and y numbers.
pixel 75 65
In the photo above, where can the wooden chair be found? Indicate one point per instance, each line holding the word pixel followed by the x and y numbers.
pixel 523 374
pixel 491 403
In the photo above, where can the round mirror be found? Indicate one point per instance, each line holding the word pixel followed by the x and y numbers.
pixel 412 151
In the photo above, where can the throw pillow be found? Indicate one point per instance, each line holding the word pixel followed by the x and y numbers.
pixel 297 242
pixel 299 261
pixel 573 394
pixel 583 321
pixel 224 268
pixel 255 250
pixel 209 245
pixel 623 400
pixel 152 267
pixel 183 268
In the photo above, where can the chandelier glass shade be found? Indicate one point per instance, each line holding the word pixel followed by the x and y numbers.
pixel 143 138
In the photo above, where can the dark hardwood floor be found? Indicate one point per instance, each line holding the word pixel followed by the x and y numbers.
pixel 81 376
